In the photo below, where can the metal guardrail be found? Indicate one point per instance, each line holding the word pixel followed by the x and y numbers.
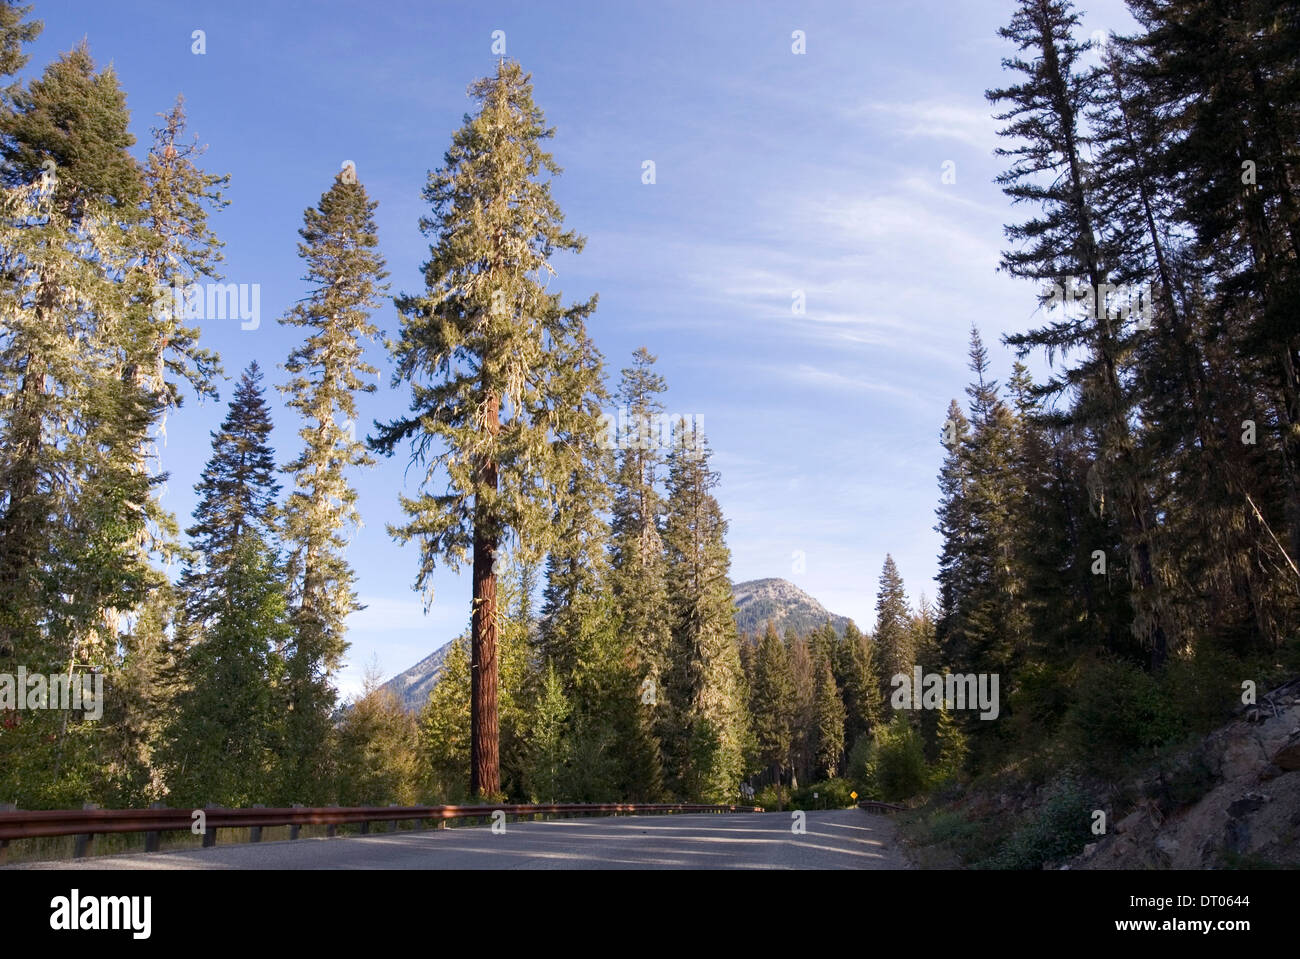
pixel 86 823
pixel 871 805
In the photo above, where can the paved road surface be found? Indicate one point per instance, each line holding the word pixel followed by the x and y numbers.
pixel 835 839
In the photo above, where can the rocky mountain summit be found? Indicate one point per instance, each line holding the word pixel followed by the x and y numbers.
pixel 757 601
pixel 782 602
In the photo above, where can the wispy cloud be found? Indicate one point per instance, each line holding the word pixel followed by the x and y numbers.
pixel 968 123
pixel 836 382
pixel 906 269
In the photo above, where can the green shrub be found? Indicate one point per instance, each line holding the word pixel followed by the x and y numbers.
pixel 1118 710
pixel 1184 781
pixel 951 751
pixel 1061 828
pixel 768 799
pixel 859 765
pixel 897 768
pixel 1037 702
pixel 970 841
pixel 1203 689
pixel 831 794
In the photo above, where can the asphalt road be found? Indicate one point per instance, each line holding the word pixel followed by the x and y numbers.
pixel 834 839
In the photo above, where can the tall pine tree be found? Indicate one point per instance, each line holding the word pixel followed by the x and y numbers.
pixel 1068 244
pixel 892 636
pixel 225 739
pixel 345 272
pixel 705 685
pixel 498 368
pixel 771 702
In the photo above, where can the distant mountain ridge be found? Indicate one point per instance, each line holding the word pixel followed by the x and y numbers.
pixel 757 601
pixel 413 685
pixel 782 602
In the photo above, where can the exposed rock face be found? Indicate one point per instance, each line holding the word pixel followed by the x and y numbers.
pixel 1251 812
pixel 1287 758
pixel 413 686
pixel 784 603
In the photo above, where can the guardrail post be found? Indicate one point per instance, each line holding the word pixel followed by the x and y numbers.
pixel 393 824
pixel 4 843
pixel 209 833
pixel 84 842
pixel 255 832
pixel 332 830
pixel 153 838
pixel 294 827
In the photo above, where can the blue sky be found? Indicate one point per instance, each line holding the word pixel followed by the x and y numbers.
pixel 776 173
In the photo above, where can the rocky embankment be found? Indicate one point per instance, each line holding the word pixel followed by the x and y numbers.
pixel 1250 815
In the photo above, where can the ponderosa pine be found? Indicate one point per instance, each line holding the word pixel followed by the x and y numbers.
pixel 498 367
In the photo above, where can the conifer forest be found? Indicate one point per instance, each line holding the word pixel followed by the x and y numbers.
pixel 230 478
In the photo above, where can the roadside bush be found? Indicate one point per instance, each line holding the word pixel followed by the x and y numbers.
pixel 969 841
pixel 897 768
pixel 859 765
pixel 831 794
pixel 767 798
pixel 1061 828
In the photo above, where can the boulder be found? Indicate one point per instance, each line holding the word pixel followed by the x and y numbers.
pixel 1288 757
pixel 1241 754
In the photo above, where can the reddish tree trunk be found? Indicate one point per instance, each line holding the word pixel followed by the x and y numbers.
pixel 485 767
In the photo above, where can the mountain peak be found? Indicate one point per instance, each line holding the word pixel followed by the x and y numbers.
pixel 757 601
pixel 782 602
